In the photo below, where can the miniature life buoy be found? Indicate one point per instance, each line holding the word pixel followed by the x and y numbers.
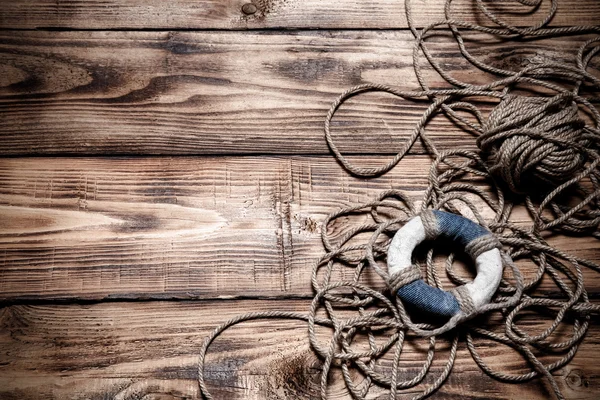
pixel 479 242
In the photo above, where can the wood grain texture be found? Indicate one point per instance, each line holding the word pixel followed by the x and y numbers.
pixel 228 14
pixel 96 228
pixel 228 93
pixel 127 351
pixel 237 230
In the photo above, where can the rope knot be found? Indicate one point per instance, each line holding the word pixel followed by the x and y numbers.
pixel 404 277
pixel 534 140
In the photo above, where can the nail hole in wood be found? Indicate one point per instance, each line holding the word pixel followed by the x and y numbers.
pixel 249 9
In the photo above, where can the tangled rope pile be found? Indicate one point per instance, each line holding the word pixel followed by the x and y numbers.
pixel 545 142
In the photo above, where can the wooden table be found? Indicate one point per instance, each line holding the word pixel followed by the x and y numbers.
pixel 164 170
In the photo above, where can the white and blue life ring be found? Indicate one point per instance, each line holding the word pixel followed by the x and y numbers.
pixel 417 293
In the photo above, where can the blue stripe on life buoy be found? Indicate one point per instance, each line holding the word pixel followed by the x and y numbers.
pixel 429 299
pixel 458 228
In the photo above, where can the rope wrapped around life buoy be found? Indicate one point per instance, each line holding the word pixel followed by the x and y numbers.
pixel 478 242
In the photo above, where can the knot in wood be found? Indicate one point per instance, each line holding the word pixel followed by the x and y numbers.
pixel 249 9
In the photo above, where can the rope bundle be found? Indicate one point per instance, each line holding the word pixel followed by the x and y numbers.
pixel 544 142
pixel 533 141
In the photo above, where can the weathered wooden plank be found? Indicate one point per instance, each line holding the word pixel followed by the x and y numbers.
pixel 222 93
pixel 149 350
pixel 94 228
pixel 243 14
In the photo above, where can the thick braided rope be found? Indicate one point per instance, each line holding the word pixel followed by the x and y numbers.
pixel 524 139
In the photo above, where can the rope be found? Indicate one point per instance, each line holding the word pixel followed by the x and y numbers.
pixel 533 150
pixel 429 224
pixel 404 277
pixel 481 245
pixel 464 299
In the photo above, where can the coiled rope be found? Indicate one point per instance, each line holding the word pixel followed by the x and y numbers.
pixel 541 142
